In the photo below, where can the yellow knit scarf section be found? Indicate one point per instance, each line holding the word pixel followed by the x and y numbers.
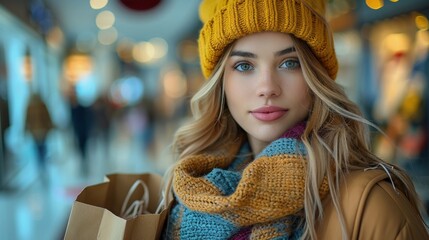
pixel 270 188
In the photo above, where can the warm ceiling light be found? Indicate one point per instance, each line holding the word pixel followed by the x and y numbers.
pixel 55 37
pixel 108 36
pixel 98 4
pixel 161 47
pixel 77 66
pixel 144 52
pixel 174 83
pixel 105 20
pixel 422 22
pixel 374 4
pixel 394 0
pixel 124 49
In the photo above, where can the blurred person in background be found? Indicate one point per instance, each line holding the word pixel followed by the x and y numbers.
pixel 149 131
pixel 275 149
pixel 38 123
pixel 4 125
pixel 103 113
pixel 82 123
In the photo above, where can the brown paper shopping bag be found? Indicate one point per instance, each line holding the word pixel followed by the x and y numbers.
pixel 125 206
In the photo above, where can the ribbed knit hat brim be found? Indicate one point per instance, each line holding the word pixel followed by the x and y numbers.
pixel 228 20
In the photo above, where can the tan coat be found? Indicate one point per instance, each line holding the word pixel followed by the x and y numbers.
pixel 373 210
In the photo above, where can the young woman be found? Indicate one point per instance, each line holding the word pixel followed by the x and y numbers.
pixel 275 149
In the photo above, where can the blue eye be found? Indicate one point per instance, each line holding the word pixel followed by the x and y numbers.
pixel 243 67
pixel 290 64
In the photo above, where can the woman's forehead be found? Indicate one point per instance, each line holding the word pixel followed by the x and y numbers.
pixel 263 41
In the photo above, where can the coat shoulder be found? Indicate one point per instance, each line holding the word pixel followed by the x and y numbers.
pixel 373 209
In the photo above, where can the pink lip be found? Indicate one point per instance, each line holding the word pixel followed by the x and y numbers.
pixel 268 113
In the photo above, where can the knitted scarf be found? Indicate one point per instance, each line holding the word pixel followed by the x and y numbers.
pixel 225 198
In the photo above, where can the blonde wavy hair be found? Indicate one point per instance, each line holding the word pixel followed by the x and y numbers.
pixel 336 135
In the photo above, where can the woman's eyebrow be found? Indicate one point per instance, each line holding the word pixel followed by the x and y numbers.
pixel 285 51
pixel 252 55
pixel 242 54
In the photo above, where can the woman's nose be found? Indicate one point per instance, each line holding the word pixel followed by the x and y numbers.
pixel 268 85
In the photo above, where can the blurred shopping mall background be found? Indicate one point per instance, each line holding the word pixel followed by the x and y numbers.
pixel 91 87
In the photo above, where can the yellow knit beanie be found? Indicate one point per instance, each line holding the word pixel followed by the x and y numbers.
pixel 228 20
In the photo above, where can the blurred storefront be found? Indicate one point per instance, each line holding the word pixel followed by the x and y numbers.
pixel 393 90
pixel 29 64
pixel 382 47
pixel 393 85
pixel 130 81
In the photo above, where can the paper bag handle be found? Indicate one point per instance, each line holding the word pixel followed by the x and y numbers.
pixel 138 207
pixel 166 195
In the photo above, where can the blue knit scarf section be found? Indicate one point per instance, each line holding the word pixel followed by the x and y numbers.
pixel 184 223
